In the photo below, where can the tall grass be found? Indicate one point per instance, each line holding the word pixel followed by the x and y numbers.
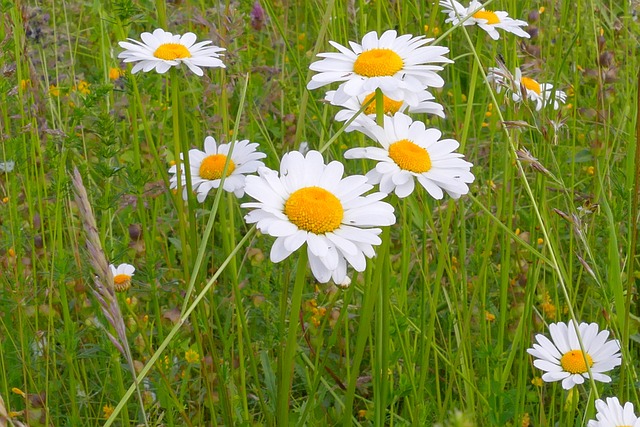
pixel 435 331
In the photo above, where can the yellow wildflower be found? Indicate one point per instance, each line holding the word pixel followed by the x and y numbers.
pixel 191 356
pixel 107 410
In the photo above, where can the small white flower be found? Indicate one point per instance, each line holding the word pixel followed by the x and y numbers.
pixel 310 202
pixel 7 166
pixel 410 150
pixel 612 414
pixel 399 66
pixel 562 359
pixel 207 166
pixel 488 20
pixel 352 105
pixel 522 87
pixel 162 50
pixel 122 275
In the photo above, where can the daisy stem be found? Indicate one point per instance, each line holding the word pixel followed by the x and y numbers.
pixel 184 163
pixel 364 331
pixel 228 236
pixel 379 107
pixel 288 353
pixel 380 380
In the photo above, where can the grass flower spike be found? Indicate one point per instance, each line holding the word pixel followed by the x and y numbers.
pixel 522 87
pixel 410 150
pixel 310 202
pixel 352 105
pixel 162 50
pixel 488 20
pixel 612 414
pixel 122 275
pixel 399 66
pixel 207 167
pixel 562 359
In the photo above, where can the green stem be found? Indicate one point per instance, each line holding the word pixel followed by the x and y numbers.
pixel 290 349
pixel 380 382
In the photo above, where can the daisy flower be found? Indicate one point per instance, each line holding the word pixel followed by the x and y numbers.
pixel 409 151
pixel 354 104
pixel 162 50
pixel 310 202
pixel 207 167
pixel 562 359
pixel 399 66
pixel 613 414
pixel 122 276
pixel 522 87
pixel 488 20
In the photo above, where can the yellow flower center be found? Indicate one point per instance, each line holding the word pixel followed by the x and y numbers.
pixel 121 282
pixel 171 51
pixel 314 209
pixel 390 106
pixel 573 362
pixel 488 15
pixel 212 166
pixel 530 84
pixel 378 62
pixel 410 156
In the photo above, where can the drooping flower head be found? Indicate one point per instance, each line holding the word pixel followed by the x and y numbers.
pixel 612 414
pixel 562 358
pixel 310 202
pixel 162 50
pixel 488 20
pixel 207 167
pixel 522 87
pixel 399 66
pixel 122 275
pixel 354 104
pixel 410 150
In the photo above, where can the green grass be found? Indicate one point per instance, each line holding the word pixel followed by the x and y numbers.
pixel 435 331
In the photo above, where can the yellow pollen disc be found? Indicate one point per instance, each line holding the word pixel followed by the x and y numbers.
pixel 390 106
pixel 171 51
pixel 573 362
pixel 121 282
pixel 314 209
pixel 490 17
pixel 409 156
pixel 212 166
pixel 530 84
pixel 377 63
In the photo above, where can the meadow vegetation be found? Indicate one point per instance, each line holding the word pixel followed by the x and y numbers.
pixel 208 330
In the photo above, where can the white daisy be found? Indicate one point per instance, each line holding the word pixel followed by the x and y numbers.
pixel 122 275
pixel 162 50
pixel 354 104
pixel 522 87
pixel 488 20
pixel 562 358
pixel 310 202
pixel 207 166
pixel 399 66
pixel 612 414
pixel 410 150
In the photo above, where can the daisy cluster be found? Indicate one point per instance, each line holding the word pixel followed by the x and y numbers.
pixel 307 201
pixel 520 87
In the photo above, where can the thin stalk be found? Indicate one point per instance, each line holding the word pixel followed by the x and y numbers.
pixel 291 346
